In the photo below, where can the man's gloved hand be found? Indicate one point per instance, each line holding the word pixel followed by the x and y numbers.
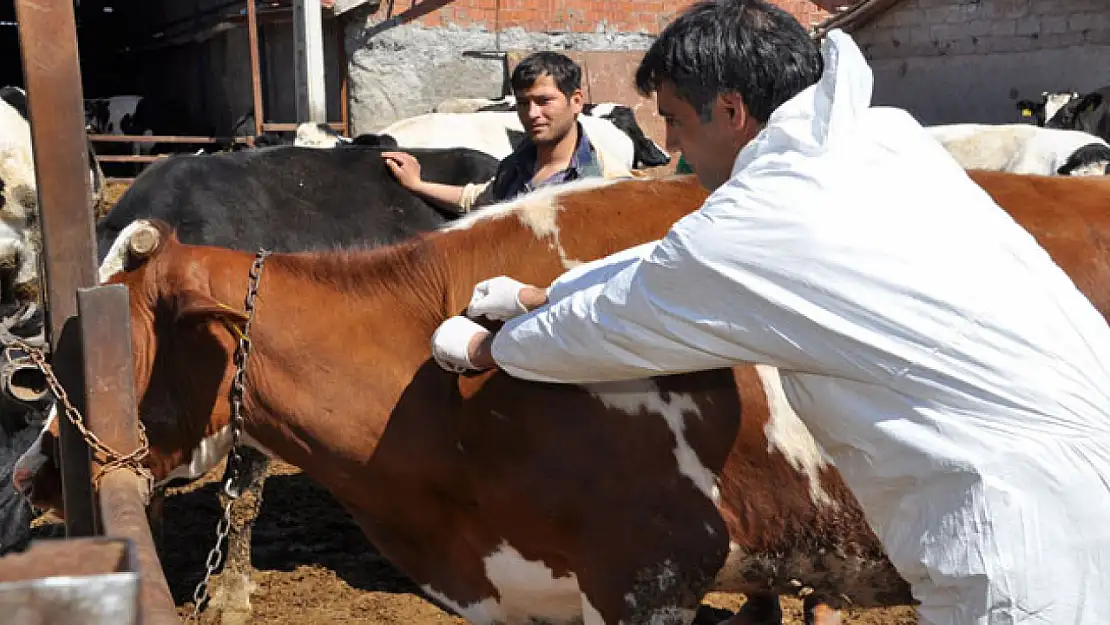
pixel 451 343
pixel 497 298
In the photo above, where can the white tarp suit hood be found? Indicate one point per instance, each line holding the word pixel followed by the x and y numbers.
pixel 954 373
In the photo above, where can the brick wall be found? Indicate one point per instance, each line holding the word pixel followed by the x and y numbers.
pixel 583 16
pixel 924 28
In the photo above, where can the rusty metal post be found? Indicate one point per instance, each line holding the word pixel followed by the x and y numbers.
pixel 112 413
pixel 48 41
pixel 256 69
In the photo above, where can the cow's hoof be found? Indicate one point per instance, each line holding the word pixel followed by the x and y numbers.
pixel 758 610
pixel 819 613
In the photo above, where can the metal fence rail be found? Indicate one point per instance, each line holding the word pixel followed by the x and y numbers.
pixel 92 359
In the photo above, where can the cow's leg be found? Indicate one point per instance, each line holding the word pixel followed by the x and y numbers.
pixel 231 595
pixel 816 610
pixel 648 575
pixel 759 609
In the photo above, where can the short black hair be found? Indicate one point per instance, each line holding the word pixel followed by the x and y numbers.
pixel 564 71
pixel 750 47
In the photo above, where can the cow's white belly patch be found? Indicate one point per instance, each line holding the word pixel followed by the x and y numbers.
pixel 528 592
pixel 209 453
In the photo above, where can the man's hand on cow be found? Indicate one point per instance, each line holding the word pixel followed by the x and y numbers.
pixel 405 168
pixel 460 345
pixel 497 298
pixel 503 298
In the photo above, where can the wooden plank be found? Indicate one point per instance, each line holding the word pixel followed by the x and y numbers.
pixel 117 158
pixel 309 67
pixel 155 139
pixel 48 41
pixel 290 127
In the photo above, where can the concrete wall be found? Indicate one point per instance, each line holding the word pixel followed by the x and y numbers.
pixel 404 63
pixel 949 61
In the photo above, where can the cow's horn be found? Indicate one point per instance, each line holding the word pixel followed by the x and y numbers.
pixel 144 241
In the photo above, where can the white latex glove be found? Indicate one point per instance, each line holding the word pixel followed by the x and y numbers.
pixel 497 298
pixel 450 342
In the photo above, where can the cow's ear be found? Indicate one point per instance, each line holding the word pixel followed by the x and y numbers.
pixel 197 307
pixel 1090 102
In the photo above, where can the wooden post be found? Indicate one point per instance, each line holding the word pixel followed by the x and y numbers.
pixel 48 41
pixel 256 66
pixel 309 71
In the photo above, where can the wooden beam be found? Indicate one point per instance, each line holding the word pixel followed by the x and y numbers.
pixel 308 35
pixel 256 66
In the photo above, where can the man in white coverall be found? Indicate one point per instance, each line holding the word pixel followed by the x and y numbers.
pixel 955 374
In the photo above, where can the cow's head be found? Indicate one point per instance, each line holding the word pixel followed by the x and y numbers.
pixel 317 135
pixel 647 153
pixel 20 238
pixel 1092 159
pixel 182 345
pixel 1069 115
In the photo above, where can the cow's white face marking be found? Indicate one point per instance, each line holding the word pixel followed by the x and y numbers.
pixel 1056 101
pixel 636 396
pixel 33 459
pixel 528 591
pixel 117 254
pixel 786 433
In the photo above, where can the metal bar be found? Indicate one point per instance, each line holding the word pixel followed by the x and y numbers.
pixel 118 158
pixel 308 66
pixel 120 180
pixel 150 139
pixel 111 413
pixel 48 42
pixel 256 66
pixel 287 127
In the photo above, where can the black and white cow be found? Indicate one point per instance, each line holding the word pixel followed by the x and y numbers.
pixel 1039 112
pixel 20 239
pixel 289 199
pixel 137 115
pixel 1089 112
pixel 1024 149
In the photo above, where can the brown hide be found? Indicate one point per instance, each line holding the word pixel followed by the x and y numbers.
pixel 439 470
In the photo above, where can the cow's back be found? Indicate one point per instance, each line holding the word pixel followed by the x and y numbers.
pixel 289 199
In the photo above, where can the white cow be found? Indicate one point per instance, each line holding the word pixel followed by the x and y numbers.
pixel 1024 149
pixel 473 105
pixel 497 133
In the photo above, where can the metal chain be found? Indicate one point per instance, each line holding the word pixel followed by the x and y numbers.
pixel 234 457
pixel 108 458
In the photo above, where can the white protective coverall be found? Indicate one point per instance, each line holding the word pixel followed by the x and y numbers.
pixel 954 373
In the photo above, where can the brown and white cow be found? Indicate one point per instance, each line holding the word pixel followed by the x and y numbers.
pixel 512 501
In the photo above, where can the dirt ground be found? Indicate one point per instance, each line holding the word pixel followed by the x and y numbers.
pixel 312 564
